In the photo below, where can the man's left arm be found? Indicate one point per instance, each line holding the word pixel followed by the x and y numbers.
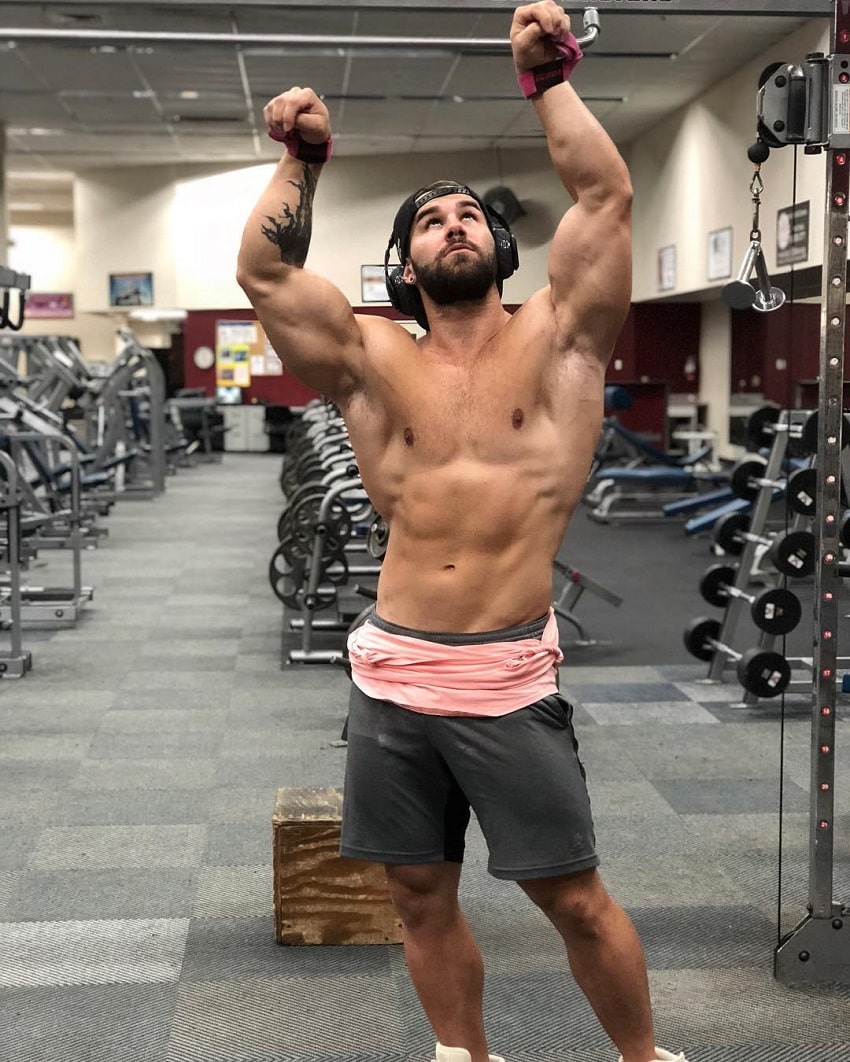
pixel 590 262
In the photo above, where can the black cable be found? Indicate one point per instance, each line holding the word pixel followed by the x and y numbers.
pixel 789 350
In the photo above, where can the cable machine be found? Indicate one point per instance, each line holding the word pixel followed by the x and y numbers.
pixel 808 104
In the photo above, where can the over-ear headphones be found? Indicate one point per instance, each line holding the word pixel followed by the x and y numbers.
pixel 405 297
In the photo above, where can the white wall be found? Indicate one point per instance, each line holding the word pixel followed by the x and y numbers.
pixel 692 176
pixel 45 250
pixel 185 226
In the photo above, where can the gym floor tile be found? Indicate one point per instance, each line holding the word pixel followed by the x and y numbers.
pixel 704 936
pixel 240 804
pixel 259 770
pixel 68 847
pixel 618 796
pixel 131 807
pixel 29 808
pixel 156 720
pixel 33 716
pixel 242 1019
pixel 577 674
pixel 145 774
pixel 158 744
pixel 83 894
pixel 247 743
pixel 103 1023
pixel 710 692
pixel 239 843
pixel 713 795
pixel 702 880
pixel 31 774
pixel 765 712
pixel 622 836
pixel 608 693
pixel 561 1015
pixel 751 831
pixel 739 1003
pixel 234 892
pixel 129 951
pixel 156 700
pixel 16 847
pixel 641 713
pixel 173 682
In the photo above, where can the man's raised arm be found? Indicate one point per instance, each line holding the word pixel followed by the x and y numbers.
pixel 590 264
pixel 307 319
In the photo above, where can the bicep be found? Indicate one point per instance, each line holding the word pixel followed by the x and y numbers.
pixel 590 274
pixel 313 330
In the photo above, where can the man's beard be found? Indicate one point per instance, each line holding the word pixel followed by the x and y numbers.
pixel 447 282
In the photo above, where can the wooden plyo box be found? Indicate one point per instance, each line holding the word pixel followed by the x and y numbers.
pixel 319 896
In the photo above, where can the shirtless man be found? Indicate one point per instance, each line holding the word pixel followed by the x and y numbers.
pixel 474 443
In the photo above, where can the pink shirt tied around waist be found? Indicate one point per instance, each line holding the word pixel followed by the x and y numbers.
pixel 489 679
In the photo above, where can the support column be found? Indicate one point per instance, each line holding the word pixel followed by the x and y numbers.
pixel 4 203
pixel 715 364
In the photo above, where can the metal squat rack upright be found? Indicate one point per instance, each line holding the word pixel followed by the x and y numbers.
pixel 809 105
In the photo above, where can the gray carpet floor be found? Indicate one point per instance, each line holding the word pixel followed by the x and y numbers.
pixel 139 762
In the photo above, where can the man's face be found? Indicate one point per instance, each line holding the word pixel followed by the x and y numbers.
pixel 452 253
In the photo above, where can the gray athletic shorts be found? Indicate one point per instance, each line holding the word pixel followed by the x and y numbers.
pixel 411 778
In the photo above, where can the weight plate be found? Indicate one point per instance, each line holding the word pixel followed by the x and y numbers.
pixel 728 529
pixel 287 578
pixel 811 432
pixel 760 426
pixel 776 611
pixel 793 554
pixel 715 583
pixel 749 468
pixel 803 491
pixel 699 634
pixel 764 673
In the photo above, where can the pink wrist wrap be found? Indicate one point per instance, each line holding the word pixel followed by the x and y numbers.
pixel 302 149
pixel 542 77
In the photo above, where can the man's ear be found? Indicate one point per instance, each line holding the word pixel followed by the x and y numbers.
pixel 408 275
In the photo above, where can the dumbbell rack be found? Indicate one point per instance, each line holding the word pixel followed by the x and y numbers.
pixel 788 424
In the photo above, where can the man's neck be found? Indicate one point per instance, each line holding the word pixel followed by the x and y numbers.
pixel 465 327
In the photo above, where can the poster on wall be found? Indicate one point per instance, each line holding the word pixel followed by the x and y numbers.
pixel 667 268
pixel 131 289
pixel 720 254
pixel 792 234
pixel 373 286
pixel 44 305
pixel 234 343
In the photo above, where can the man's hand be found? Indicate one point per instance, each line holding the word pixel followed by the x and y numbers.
pixel 535 31
pixel 301 110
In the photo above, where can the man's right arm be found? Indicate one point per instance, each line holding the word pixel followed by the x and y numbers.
pixel 307 319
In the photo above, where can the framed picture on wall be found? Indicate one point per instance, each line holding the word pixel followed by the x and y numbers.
pixel 131 289
pixel 40 304
pixel 373 287
pixel 720 254
pixel 667 268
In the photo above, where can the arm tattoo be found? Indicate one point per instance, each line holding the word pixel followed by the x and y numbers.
pixel 290 231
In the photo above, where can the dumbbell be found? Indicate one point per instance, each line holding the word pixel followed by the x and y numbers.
pixel 774 611
pixel 763 425
pixel 760 671
pixel 800 488
pixel 792 553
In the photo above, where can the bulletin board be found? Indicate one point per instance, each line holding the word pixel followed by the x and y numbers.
pixel 242 351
